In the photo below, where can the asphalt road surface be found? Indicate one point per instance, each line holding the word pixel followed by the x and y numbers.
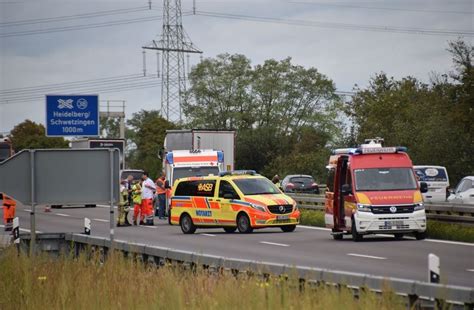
pixel 306 246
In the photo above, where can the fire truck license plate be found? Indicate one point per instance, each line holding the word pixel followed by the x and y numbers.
pixel 393 224
pixel 283 217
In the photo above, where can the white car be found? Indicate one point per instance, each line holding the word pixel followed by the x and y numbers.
pixel 464 192
pixel 438 182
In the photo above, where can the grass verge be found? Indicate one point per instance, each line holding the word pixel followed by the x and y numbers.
pixel 436 229
pixel 66 283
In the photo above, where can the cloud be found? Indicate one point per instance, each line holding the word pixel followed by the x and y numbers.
pixel 347 56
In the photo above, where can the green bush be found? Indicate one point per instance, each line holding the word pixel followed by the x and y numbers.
pixel 312 218
pixel 436 229
pixel 447 231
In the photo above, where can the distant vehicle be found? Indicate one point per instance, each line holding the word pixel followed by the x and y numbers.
pixel 240 200
pixel 438 182
pixel 299 183
pixel 135 173
pixel 373 189
pixel 6 149
pixel 202 139
pixel 464 192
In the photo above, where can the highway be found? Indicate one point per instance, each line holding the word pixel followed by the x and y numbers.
pixel 307 246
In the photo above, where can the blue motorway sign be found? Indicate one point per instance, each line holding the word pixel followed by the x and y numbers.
pixel 68 115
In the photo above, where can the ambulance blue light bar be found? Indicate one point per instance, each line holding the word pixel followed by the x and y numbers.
pixel 220 156
pixel 169 158
pixel 238 172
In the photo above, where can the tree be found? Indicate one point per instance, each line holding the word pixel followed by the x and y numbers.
pixel 147 134
pixel 433 121
pixel 110 127
pixel 30 135
pixel 267 104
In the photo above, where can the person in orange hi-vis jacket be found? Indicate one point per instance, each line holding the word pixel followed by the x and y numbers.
pixel 9 207
pixel 161 195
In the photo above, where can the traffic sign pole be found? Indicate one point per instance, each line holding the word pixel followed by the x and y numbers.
pixel 112 219
pixel 33 205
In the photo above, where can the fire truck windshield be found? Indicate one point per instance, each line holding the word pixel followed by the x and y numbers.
pixel 384 179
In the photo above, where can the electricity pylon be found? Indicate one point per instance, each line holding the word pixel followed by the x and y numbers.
pixel 173 44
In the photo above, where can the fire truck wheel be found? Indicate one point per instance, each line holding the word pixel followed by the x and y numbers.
pixel 187 225
pixel 243 224
pixel 288 228
pixel 420 235
pixel 230 230
pixel 355 235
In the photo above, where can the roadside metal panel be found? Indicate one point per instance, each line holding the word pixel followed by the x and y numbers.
pixel 78 176
pixel 15 176
pixel 64 176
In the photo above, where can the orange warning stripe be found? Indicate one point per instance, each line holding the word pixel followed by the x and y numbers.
pixel 186 159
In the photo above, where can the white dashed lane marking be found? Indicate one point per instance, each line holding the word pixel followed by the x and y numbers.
pixel 62 214
pixel 366 256
pixel 273 243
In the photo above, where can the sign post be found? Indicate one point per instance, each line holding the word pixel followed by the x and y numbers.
pixel 72 115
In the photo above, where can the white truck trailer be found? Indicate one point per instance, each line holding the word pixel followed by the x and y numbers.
pixel 203 139
pixel 197 152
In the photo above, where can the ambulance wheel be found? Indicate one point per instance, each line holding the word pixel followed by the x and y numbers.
pixel 398 236
pixel 229 230
pixel 243 224
pixel 420 235
pixel 187 225
pixel 288 228
pixel 337 235
pixel 355 235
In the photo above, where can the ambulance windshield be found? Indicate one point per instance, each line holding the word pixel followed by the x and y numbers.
pixel 256 186
pixel 384 179
pixel 184 172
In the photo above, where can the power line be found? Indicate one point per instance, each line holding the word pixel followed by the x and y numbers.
pixel 75 88
pixel 80 27
pixel 72 17
pixel 354 6
pixel 23 89
pixel 338 25
pixel 118 88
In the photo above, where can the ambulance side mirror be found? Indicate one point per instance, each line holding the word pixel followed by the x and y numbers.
pixel 346 189
pixel 423 187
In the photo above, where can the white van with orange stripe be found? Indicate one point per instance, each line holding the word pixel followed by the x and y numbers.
pixel 189 163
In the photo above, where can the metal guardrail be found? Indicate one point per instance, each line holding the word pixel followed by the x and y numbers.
pixel 447 212
pixel 415 291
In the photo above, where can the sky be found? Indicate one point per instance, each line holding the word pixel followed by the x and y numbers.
pixel 347 55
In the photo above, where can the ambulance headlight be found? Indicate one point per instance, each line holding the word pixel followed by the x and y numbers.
pixel 363 208
pixel 257 207
pixel 419 206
